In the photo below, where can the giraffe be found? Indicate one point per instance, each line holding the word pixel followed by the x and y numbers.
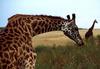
pixel 16 51
pixel 89 33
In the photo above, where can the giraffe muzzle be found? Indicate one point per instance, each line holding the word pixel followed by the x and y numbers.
pixel 80 42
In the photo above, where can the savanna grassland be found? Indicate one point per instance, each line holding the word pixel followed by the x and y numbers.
pixel 56 51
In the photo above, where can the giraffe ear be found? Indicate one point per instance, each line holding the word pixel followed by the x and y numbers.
pixel 73 16
pixel 68 17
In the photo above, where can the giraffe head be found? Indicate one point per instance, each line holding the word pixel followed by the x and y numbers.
pixel 95 21
pixel 70 29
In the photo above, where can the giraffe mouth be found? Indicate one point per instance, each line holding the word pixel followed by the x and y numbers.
pixel 80 42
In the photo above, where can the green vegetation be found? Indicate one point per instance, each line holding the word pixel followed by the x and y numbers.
pixel 98 37
pixel 1 28
pixel 69 57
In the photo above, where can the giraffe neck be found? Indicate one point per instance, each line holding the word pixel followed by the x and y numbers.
pixel 44 27
pixel 92 26
pixel 29 26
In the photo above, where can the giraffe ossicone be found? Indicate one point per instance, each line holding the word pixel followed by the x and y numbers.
pixel 16 50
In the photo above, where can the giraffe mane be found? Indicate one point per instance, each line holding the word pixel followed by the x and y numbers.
pixel 48 16
pixel 13 16
pixel 54 17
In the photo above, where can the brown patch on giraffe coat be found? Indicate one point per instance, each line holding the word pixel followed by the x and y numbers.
pixel 6 48
pixel 1 55
pixel 11 35
pixel 21 30
pixel 50 27
pixel 9 42
pixel 6 30
pixel 24 38
pixel 31 17
pixel 43 29
pixel 27 20
pixel 16 34
pixel 42 23
pixel 15 46
pixel 17 38
pixel 8 38
pixel 27 35
pixel 2 39
pixel 34 33
pixel 34 24
pixel 47 20
pixel 17 31
pixel 46 26
pixel 11 31
pixel 12 48
pixel 38 19
pixel 5 61
pixel 6 55
pixel 16 23
pixel 36 29
pixel 27 56
pixel 29 29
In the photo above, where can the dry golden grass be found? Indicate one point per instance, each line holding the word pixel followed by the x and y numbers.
pixel 57 38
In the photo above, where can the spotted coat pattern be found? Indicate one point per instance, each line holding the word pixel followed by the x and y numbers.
pixel 16 50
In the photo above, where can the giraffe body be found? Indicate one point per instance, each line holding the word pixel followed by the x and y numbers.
pixel 16 51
